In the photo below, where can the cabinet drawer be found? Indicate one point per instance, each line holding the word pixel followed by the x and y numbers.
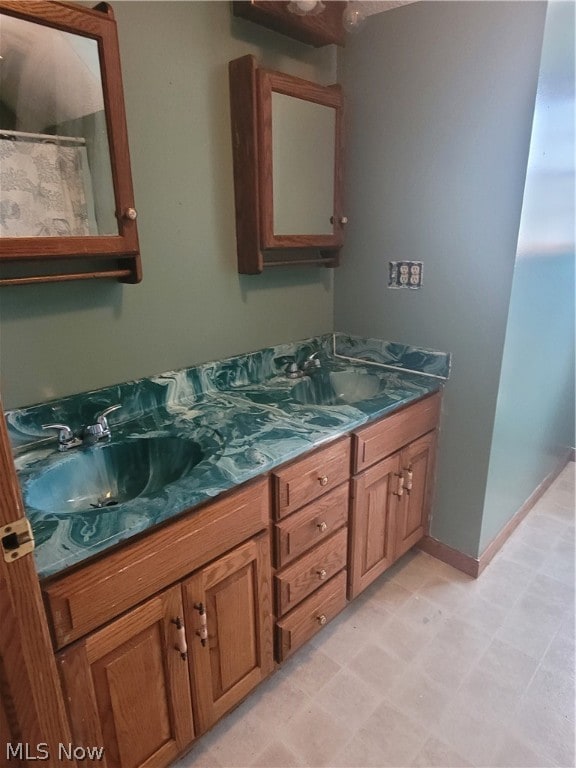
pixel 311 525
pixel 298 580
pixel 307 479
pixel 379 440
pixel 98 592
pixel 310 616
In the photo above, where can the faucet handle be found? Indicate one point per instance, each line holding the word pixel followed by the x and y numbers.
pixel 64 432
pixel 312 361
pixel 101 417
pixel 66 437
pixel 102 428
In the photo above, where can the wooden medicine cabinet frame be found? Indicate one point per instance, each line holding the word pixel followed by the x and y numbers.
pixel 55 259
pixel 258 246
pixel 321 29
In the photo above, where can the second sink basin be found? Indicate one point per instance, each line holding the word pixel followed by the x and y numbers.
pixel 337 388
pixel 106 475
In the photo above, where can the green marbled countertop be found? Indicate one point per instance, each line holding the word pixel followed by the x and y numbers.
pixel 244 411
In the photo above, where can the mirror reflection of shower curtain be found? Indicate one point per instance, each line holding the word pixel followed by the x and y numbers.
pixel 45 189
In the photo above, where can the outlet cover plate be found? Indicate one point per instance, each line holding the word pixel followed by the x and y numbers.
pixel 405 274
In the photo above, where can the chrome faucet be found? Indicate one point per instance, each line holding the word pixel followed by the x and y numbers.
pixel 293 372
pixel 312 363
pixel 89 435
pixel 101 429
pixel 66 438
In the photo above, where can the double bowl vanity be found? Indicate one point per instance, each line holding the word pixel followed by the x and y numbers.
pixel 232 513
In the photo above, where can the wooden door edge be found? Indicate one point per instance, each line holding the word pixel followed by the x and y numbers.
pixel 31 691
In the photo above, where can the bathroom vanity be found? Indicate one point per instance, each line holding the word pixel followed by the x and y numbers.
pixel 157 637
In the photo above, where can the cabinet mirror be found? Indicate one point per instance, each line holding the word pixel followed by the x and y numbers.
pixel 303 137
pixel 287 142
pixel 66 191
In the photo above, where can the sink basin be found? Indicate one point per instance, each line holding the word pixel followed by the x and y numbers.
pixel 110 474
pixel 337 388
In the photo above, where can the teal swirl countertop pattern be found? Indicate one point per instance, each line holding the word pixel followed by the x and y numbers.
pixel 242 416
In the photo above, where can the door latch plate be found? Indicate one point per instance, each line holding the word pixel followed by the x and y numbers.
pixel 17 539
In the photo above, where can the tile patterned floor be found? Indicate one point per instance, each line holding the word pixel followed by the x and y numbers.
pixel 430 668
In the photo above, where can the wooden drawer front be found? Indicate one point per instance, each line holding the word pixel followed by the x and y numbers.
pixel 310 616
pixel 311 525
pixel 97 593
pixel 379 440
pixel 313 569
pixel 306 479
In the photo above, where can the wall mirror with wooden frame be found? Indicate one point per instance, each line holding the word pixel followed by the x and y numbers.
pixel 66 199
pixel 287 149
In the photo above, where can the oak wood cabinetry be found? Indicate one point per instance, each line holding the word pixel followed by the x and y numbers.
pixel 416 467
pixel 157 640
pixel 112 677
pixel 298 580
pixel 311 538
pixel 318 30
pixel 288 195
pixel 97 237
pixel 390 499
pixel 145 684
pixel 234 592
pixel 295 629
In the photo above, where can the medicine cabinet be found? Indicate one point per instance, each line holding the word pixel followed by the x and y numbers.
pixel 66 201
pixel 320 29
pixel 287 149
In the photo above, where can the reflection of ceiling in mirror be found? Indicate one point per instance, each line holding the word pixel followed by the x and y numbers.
pixel 47 77
pixel 370 7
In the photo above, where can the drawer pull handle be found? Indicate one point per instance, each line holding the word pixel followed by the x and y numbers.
pixel 322 526
pixel 181 645
pixel 323 480
pixel 322 573
pixel 408 475
pixel 203 631
pixel 321 619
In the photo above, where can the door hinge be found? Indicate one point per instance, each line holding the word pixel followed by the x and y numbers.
pixel 17 539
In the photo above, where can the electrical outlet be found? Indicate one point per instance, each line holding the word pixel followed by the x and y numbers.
pixel 405 274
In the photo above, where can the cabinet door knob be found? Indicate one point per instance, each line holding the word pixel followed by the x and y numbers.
pixel 321 619
pixel 131 213
pixel 322 526
pixel 323 480
pixel 322 574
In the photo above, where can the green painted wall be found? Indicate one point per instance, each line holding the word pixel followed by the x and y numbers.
pixel 441 97
pixel 534 424
pixel 192 305
pixel 440 101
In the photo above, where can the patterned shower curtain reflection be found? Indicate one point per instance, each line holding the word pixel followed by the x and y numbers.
pixel 45 189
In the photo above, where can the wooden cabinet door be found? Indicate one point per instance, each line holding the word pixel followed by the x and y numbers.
pixel 416 467
pixel 128 687
pixel 372 523
pixel 231 599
